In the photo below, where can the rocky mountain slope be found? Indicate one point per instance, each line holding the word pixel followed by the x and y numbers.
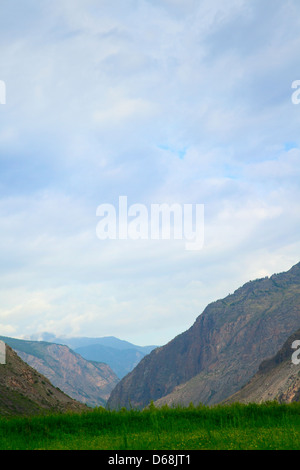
pixel 88 382
pixel 277 379
pixel 221 351
pixel 122 356
pixel 121 361
pixel 24 391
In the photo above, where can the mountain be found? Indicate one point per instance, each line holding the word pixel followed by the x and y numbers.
pixel 277 379
pixel 120 355
pixel 81 341
pixel 122 361
pixel 86 381
pixel 221 351
pixel 24 391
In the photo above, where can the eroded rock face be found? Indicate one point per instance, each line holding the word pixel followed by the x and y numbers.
pixel 277 379
pixel 85 381
pixel 221 351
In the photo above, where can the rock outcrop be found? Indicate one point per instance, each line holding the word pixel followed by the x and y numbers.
pixel 277 378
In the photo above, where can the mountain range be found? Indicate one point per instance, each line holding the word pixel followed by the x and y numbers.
pixel 221 351
pixel 122 356
pixel 86 369
pixel 239 349
pixel 89 382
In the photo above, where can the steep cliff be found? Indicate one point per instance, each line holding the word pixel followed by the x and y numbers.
pixel 277 378
pixel 221 351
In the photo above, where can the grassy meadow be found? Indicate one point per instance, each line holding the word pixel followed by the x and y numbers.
pixel 269 426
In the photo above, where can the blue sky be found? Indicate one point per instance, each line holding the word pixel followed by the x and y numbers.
pixel 164 101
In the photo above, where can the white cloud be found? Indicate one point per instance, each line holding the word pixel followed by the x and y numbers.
pixel 162 101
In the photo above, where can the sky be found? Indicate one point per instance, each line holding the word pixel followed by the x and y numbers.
pixel 161 101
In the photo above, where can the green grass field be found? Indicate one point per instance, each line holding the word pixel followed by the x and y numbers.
pixel 269 427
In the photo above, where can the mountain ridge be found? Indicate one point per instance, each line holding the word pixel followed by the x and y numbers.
pixel 120 355
pixel 224 347
pixel 89 382
pixel 277 378
pixel 24 391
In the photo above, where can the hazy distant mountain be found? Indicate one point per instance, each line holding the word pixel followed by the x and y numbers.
pixel 120 355
pixel 121 361
pixel 80 341
pixel 24 391
pixel 277 379
pixel 86 381
pixel 221 351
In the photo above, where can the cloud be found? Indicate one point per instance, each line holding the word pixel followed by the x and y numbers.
pixel 162 101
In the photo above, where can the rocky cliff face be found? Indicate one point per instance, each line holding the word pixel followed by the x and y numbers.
pixel 277 379
pixel 24 391
pixel 221 351
pixel 86 381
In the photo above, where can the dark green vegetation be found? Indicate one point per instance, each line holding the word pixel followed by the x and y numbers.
pixel 269 426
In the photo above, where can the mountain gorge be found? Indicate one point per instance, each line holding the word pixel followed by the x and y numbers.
pixel 221 351
pixel 86 381
pixel 121 356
